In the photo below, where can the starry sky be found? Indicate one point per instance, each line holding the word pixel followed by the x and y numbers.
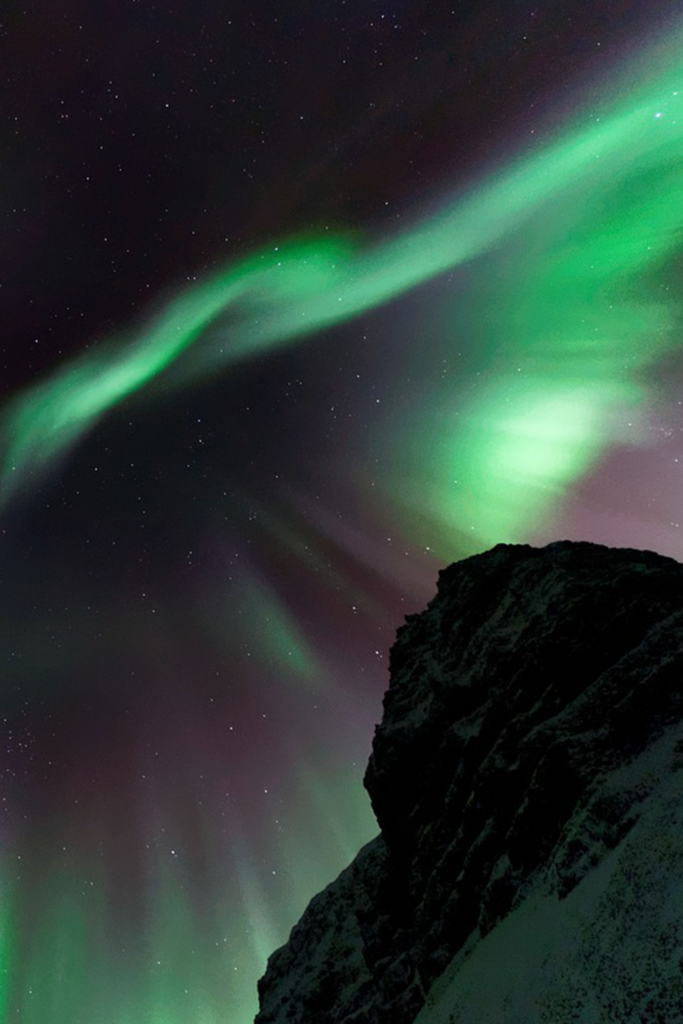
pixel 299 303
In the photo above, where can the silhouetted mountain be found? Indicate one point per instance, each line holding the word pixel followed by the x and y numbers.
pixel 527 778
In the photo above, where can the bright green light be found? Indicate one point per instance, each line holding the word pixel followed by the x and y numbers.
pixel 574 237
pixel 288 291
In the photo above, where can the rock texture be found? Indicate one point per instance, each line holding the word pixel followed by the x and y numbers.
pixel 532 739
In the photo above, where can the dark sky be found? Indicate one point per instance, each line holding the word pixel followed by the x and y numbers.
pixel 220 491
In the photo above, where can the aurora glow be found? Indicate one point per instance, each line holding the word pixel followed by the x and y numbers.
pixel 211 530
pixel 620 171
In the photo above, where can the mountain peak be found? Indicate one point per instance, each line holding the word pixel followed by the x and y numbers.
pixel 533 723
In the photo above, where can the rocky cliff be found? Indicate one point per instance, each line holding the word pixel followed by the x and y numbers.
pixel 527 778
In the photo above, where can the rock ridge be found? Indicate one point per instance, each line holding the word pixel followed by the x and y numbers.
pixel 533 709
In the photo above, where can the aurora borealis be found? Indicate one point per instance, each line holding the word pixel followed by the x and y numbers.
pixel 298 307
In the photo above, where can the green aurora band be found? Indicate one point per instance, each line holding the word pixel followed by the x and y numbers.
pixel 593 215
pixel 595 209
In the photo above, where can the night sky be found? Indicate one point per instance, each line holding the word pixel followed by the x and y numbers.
pixel 299 303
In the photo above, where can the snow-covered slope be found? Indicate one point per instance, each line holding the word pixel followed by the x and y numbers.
pixel 611 951
pixel 525 779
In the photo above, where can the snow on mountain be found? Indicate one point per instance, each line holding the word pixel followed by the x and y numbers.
pixel 526 777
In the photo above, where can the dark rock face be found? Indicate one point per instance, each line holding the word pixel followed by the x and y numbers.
pixel 517 701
